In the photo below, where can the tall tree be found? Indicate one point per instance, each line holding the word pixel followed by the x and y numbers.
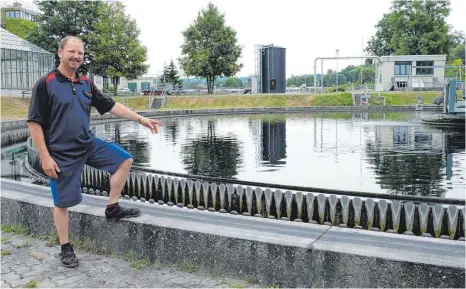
pixel 414 27
pixel 115 49
pixel 170 74
pixel 57 19
pixel 210 48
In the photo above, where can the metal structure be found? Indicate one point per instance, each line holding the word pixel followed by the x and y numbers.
pixel 337 58
pixel 270 68
pixel 454 104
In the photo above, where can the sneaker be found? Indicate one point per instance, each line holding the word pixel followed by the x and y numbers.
pixel 120 212
pixel 68 258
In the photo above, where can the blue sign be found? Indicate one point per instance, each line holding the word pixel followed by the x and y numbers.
pixel 318 76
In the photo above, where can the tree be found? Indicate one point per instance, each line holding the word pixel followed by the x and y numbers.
pixel 210 48
pixel 455 72
pixel 115 50
pixel 457 53
pixel 414 27
pixel 18 26
pixel 170 75
pixel 233 82
pixel 58 19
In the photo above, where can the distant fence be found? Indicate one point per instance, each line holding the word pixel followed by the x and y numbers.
pixel 411 215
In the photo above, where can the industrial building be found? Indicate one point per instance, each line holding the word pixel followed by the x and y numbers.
pixel 410 72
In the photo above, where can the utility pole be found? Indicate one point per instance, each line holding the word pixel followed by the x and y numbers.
pixel 337 68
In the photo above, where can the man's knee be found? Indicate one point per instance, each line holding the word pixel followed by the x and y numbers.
pixel 127 164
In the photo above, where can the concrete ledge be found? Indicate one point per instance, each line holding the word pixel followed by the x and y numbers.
pixel 277 253
pixel 21 123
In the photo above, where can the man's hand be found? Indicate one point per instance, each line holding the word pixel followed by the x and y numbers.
pixel 151 124
pixel 50 167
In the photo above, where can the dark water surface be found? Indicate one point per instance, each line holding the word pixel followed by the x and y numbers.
pixel 380 152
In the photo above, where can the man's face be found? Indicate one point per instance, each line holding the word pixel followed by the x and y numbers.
pixel 72 54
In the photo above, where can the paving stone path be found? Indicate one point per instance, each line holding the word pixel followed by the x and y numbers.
pixel 29 262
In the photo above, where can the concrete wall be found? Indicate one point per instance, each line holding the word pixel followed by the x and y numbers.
pixel 287 254
pixel 14 92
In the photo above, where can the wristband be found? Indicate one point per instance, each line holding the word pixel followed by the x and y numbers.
pixel 139 119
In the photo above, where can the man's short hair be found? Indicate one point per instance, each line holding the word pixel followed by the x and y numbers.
pixel 64 40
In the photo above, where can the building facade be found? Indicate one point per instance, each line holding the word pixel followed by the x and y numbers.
pixel 410 72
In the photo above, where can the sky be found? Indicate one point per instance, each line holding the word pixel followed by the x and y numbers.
pixel 306 28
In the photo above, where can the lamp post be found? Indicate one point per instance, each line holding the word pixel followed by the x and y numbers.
pixel 337 67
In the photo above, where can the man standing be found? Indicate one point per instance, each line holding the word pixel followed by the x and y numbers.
pixel 59 120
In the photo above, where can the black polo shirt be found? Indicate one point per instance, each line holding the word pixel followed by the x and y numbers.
pixel 62 107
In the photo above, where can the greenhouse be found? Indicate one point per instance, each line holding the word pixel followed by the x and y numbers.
pixel 23 63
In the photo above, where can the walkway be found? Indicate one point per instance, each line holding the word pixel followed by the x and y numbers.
pixel 30 262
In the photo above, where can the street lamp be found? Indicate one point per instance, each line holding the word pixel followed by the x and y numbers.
pixel 337 67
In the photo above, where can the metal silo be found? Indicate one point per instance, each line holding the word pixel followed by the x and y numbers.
pixel 271 69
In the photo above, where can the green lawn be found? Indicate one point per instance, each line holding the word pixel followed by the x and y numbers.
pixel 15 108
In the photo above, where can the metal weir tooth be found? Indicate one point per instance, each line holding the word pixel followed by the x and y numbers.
pixel 197 186
pixel 278 195
pixel 213 189
pixel 259 193
pixel 289 200
pixel 299 203
pixel 396 213
pixel 249 200
pixel 162 184
pixel 321 198
pixel 169 189
pixel 345 201
pixel 437 214
pixel 150 180
pixel 333 201
pixel 268 201
pixel 370 205
pixel 205 191
pixel 183 191
pixel 139 183
pixel 409 216
pixel 190 191
pixel 176 184
pixel 423 210
pixel 240 192
pixel 133 181
pixel 145 184
pixel 452 212
pixel 310 206
pixel 383 207
pixel 222 189
pixel 357 206
pixel 230 192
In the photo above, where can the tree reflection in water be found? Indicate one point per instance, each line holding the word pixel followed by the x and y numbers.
pixel 211 155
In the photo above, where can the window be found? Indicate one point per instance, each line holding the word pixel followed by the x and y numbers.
pixel 403 68
pixel 426 70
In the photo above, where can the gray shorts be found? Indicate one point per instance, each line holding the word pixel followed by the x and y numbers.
pixel 66 189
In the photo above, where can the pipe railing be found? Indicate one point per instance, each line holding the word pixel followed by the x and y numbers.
pixel 429 217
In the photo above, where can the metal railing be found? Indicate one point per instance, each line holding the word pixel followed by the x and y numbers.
pixel 426 216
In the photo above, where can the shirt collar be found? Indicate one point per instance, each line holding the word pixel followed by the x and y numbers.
pixel 62 78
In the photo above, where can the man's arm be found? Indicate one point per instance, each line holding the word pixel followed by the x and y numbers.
pixel 38 138
pixel 37 117
pixel 122 111
pixel 105 104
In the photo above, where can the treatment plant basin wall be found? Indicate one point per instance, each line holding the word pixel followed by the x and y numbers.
pixel 288 254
